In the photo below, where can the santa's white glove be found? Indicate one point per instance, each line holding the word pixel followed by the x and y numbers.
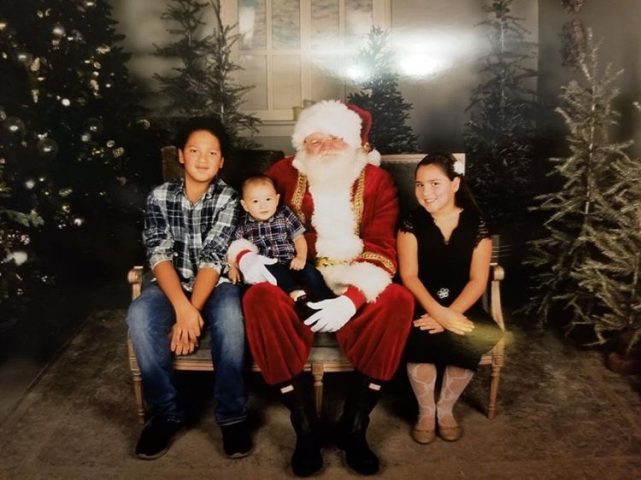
pixel 253 268
pixel 332 314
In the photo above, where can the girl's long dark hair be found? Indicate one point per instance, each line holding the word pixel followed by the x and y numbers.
pixel 463 198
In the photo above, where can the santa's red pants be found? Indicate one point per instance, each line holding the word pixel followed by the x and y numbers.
pixel 373 340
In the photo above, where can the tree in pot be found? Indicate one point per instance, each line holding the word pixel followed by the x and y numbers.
pixel 588 262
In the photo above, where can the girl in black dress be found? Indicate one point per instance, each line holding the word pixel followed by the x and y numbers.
pixel 444 249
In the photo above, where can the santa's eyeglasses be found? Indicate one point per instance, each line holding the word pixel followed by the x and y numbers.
pixel 320 140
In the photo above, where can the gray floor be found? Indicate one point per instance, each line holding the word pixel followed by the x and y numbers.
pixel 561 415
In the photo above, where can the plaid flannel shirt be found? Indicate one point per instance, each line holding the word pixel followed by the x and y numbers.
pixel 191 236
pixel 273 237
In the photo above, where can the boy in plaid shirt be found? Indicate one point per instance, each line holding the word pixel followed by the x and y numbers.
pixel 188 226
pixel 276 233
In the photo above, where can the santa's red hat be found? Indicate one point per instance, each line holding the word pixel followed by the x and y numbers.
pixel 332 117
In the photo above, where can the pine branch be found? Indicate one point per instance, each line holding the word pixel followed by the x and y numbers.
pixel 203 84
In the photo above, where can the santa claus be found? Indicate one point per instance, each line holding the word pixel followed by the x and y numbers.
pixel 349 208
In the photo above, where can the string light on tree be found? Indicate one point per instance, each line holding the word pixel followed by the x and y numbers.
pixel 14 125
pixel 47 148
pixel 24 57
pixel 51 62
pixel 58 30
pixel 93 125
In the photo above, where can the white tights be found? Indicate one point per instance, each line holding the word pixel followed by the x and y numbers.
pixel 422 377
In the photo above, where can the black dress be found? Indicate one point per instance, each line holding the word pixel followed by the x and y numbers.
pixel 444 269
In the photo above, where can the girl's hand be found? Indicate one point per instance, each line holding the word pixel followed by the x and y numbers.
pixel 425 322
pixel 454 322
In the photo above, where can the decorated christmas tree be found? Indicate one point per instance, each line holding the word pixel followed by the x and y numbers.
pixel 379 94
pixel 14 241
pixel 499 138
pixel 68 116
pixel 588 260
pixel 203 83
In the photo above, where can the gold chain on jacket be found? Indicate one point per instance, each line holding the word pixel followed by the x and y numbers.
pixel 297 198
pixel 357 200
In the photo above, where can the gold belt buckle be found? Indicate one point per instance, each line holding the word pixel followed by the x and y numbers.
pixel 328 262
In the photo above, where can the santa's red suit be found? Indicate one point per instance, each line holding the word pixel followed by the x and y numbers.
pixel 351 237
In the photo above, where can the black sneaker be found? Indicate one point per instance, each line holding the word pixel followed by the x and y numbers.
pixel 156 437
pixel 302 309
pixel 236 440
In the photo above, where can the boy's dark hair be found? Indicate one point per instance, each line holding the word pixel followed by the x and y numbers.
pixel 255 178
pixel 445 161
pixel 210 124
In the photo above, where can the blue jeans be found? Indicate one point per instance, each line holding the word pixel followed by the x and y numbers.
pixel 150 318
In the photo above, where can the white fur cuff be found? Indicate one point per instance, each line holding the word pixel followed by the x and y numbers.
pixel 367 277
pixel 238 246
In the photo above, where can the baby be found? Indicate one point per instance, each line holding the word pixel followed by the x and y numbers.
pixel 277 233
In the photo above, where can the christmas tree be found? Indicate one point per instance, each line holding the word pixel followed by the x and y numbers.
pixel 380 95
pixel 14 239
pixel 588 262
pixel 203 83
pixel 68 116
pixel 613 274
pixel 499 138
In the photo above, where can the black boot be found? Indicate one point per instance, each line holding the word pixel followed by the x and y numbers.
pixel 307 458
pixel 352 426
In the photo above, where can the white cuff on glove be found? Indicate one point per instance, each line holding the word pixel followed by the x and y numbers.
pixel 332 314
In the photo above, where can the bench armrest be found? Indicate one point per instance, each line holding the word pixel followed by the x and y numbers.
pixel 134 277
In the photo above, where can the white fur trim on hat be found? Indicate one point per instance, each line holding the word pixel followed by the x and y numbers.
pixel 329 117
pixel 374 157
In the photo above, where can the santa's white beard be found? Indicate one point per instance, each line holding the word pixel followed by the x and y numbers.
pixel 338 168
pixel 331 178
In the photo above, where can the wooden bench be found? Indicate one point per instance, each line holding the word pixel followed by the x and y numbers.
pixel 325 356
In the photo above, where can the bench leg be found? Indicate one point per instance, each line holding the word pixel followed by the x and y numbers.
pixel 494 389
pixel 317 373
pixel 140 404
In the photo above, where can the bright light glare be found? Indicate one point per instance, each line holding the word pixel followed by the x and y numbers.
pixel 356 73
pixel 421 65
pixel 417 56
pixel 431 54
